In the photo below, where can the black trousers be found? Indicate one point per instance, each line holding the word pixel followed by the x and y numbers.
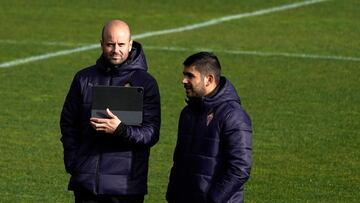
pixel 86 197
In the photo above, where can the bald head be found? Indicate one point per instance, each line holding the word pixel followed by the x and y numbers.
pixel 116 24
pixel 116 41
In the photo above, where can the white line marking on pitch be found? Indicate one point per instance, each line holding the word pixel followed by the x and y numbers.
pixel 64 44
pixel 167 31
pixel 257 53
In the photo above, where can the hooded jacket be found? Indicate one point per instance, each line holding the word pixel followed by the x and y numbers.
pixel 102 163
pixel 212 158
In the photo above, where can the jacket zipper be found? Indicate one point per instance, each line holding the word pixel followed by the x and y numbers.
pixel 111 80
pixel 97 180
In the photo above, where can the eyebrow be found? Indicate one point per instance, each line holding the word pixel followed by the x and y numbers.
pixel 188 73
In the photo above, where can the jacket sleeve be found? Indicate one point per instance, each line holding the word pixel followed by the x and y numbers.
pixel 148 133
pixel 69 125
pixel 237 143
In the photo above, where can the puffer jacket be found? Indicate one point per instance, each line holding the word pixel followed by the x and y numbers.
pixel 109 164
pixel 212 158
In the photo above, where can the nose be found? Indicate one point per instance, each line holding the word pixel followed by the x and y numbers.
pixel 184 80
pixel 116 48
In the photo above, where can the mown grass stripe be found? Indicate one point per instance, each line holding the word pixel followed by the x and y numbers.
pixel 258 53
pixel 211 22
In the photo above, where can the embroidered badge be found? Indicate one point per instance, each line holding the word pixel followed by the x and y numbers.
pixel 209 118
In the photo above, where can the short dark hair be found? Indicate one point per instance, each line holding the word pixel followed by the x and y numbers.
pixel 205 63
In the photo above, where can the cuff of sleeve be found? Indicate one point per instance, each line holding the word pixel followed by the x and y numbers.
pixel 121 130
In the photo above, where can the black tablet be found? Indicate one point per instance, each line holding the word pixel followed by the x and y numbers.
pixel 125 102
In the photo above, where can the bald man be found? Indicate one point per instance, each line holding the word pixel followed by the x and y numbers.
pixel 107 159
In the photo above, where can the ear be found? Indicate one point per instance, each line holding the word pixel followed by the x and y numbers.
pixel 101 43
pixel 130 45
pixel 209 79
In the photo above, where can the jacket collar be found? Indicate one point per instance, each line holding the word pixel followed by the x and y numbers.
pixel 224 92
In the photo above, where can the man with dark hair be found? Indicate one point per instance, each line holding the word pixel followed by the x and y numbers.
pixel 107 159
pixel 212 158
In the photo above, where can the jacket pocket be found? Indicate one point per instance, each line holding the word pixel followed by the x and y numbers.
pixel 85 164
pixel 116 163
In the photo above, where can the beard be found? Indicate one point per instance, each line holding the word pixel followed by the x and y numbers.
pixel 197 90
pixel 116 60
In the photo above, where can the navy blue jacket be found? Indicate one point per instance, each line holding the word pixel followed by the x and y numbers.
pixel 102 163
pixel 212 158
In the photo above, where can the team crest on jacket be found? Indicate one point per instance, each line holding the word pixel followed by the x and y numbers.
pixel 209 118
